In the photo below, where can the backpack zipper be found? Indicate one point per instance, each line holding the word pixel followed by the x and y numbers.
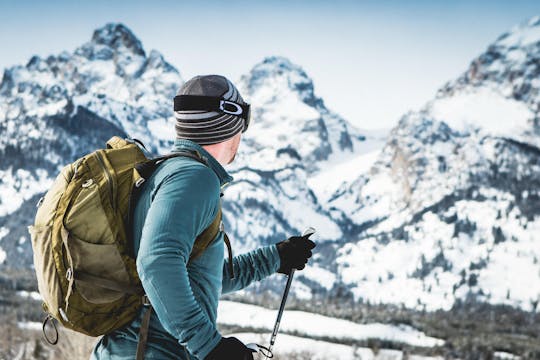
pixel 110 181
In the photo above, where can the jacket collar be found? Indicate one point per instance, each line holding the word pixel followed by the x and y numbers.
pixel 222 174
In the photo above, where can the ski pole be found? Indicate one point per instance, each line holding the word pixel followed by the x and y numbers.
pixel 307 232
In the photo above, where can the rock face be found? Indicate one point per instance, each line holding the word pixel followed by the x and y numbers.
pixel 444 208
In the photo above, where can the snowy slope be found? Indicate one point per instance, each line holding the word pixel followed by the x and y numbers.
pixel 288 346
pixel 317 326
pixel 451 206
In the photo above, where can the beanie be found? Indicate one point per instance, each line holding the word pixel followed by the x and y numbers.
pixel 207 127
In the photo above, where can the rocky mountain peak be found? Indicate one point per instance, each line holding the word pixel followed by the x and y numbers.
pixel 273 66
pixel 117 36
pixel 286 109
pixel 280 74
pixel 156 60
pixel 511 64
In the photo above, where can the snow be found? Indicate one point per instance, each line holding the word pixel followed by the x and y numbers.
pixel 3 232
pixel 162 129
pixel 380 273
pixel 20 185
pixel 105 81
pixel 523 35
pixel 482 108
pixel 301 291
pixel 511 261
pixel 41 78
pixel 303 216
pixel 46 110
pixel 300 322
pixel 516 56
pixel 34 295
pixel 290 115
pixel 286 344
pixel 381 206
pixel 322 350
pixel 336 173
pixel 501 355
pixel 29 325
pixel 325 278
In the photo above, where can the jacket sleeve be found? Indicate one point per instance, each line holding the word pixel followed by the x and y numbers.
pixel 250 267
pixel 176 216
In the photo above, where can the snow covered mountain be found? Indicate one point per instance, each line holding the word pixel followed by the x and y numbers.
pixel 293 137
pixel 451 205
pixel 56 109
pixel 443 209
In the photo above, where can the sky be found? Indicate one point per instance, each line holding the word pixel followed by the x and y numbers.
pixel 371 61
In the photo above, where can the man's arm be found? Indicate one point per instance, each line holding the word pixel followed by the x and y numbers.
pixel 250 267
pixel 177 214
pixel 292 253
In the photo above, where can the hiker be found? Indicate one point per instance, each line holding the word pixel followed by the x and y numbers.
pixel 174 206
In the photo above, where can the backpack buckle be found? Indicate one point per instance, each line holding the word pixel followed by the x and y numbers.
pixel 139 182
pixel 145 300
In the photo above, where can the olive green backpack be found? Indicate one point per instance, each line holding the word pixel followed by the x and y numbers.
pixel 82 253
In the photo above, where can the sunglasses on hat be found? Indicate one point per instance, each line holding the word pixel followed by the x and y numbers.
pixel 212 103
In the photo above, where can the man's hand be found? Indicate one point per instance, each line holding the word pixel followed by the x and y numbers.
pixel 294 253
pixel 230 348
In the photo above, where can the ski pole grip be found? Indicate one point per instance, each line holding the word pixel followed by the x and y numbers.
pixel 308 231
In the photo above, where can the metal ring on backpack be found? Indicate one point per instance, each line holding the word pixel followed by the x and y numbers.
pixel 51 319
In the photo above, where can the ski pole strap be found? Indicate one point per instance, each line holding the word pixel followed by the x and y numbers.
pixel 143 333
pixel 266 352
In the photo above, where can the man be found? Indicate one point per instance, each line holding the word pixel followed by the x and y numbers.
pixel 176 204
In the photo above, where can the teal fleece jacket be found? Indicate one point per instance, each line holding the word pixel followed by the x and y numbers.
pixel 175 205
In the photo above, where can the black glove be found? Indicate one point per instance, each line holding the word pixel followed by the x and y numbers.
pixel 294 253
pixel 230 348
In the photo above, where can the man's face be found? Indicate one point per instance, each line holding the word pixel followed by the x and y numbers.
pixel 234 144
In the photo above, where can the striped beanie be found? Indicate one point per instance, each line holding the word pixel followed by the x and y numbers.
pixel 208 127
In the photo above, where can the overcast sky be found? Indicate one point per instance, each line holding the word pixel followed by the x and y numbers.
pixel 371 61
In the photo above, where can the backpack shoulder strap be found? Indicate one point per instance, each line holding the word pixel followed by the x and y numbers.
pixel 206 237
pixel 145 169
